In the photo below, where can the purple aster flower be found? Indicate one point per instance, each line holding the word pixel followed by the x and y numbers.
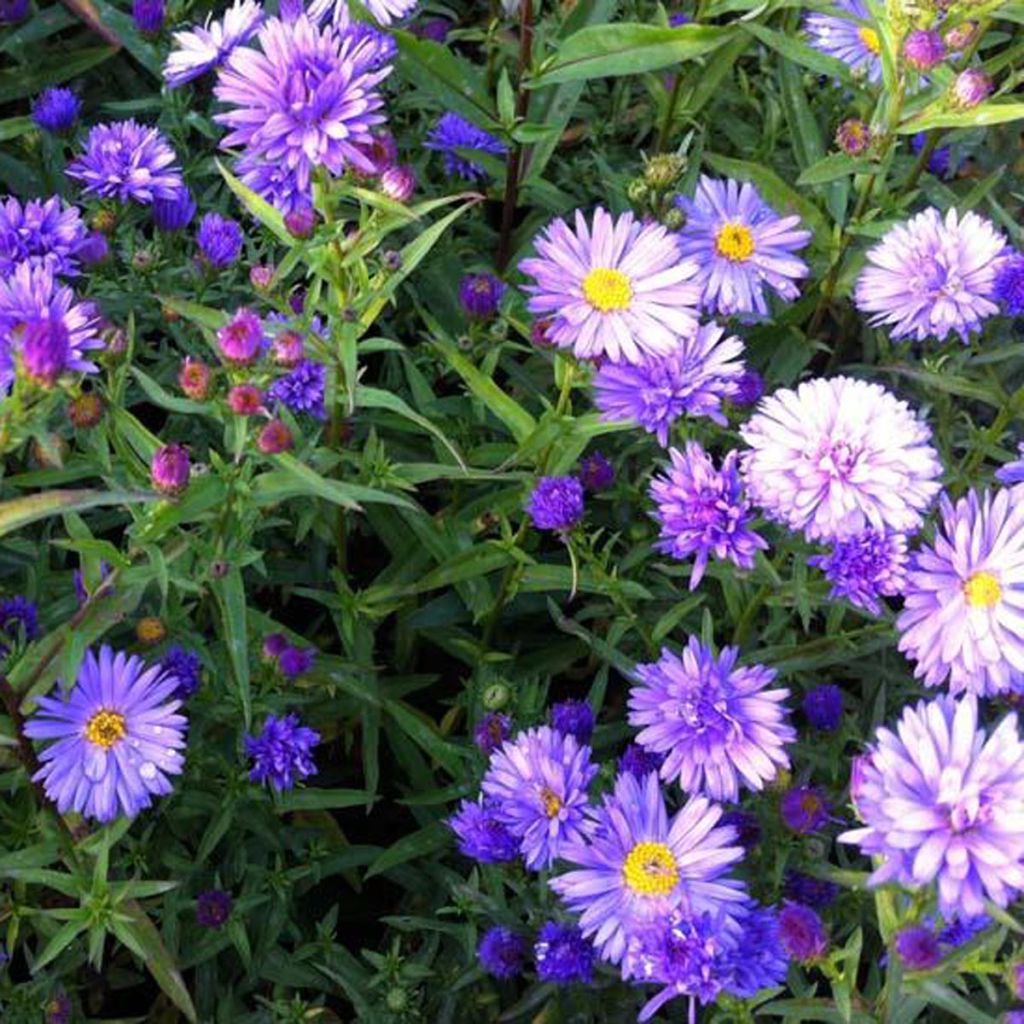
pixel 639 762
pixel 756 961
pixel 741 245
pixel 961 930
pixel 296 661
pixel 44 351
pixel 1013 1017
pixel 176 213
pixel 56 110
pixel 398 183
pixel 170 469
pixel 854 137
pixel 491 731
pixel 638 866
pixel 480 833
pixel 942 802
pixel 619 289
pixel 219 239
pixel 917 947
pixel 283 752
pixel 703 511
pixel 718 723
pixel 823 707
pixel 556 503
pixel 803 809
pixel 386 11
pixel 203 48
pixel 278 185
pixel 480 295
pixel 118 736
pixel 42 233
pixel 847 35
pixel 242 339
pixel 1012 472
pixel 971 87
pixel 929 277
pixel 924 48
pixel 749 388
pixel 864 567
pixel 307 100
pixel 19 621
pixel 562 955
pixel 692 380
pixel 1008 286
pixel 213 908
pixel 126 161
pixel 453 133
pixel 962 618
pixel 502 953
pixel 940 161
pixel 596 472
pixel 802 933
pixel 94 249
pixel 148 16
pixel 838 455
pixel 12 11
pixel 814 892
pixel 538 783
pixel 186 667
pixel 302 390
pixel 574 718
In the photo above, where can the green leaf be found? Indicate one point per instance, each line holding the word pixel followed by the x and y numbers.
pixel 835 166
pixel 14 127
pixel 423 843
pixel 159 397
pixel 323 799
pixel 63 938
pixel 424 733
pixel 951 1002
pixel 229 591
pixel 204 316
pixel 18 512
pixel 375 398
pixel 267 215
pixel 31 79
pixel 625 48
pixel 985 114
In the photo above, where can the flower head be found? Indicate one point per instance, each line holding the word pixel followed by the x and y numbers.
pixel 283 752
pixel 637 761
pixel 194 378
pixel 213 908
pixel 176 213
pixel 491 731
pixel 749 388
pixel 12 11
pixel 853 137
pixel 480 295
pixel 802 933
pixel 942 802
pixel 296 661
pixel 302 390
pixel 823 707
pixel 481 834
pixel 125 160
pixel 741 246
pixel 398 183
pixel 932 277
pixel 1012 472
pixel 44 351
pixel 847 34
pixel 693 379
pixel 971 87
pixel 562 955
pixel 961 618
pixel 148 16
pixel 703 511
pixel 862 568
pixel 618 289
pixel 917 947
pixel 56 110
pixel 940 159
pixel 803 809
pixel 924 48
pixel 169 469
pixel 453 133
pixel 242 340
pixel 185 666
pixel 219 239
pixel 838 455
pixel 574 718
pixel 117 737
pixel 245 400
pixel 279 185
pixel 203 48
pixel 47 234
pixel 275 437
pixel 596 472
pixel 556 503
pixel 538 783
pixel 1008 285
pixel 719 724
pixel 19 620
pixel 502 953
pixel 638 866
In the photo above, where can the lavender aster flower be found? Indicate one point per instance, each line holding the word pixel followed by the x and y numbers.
pixel 639 866
pixel 741 245
pixel 480 295
pixel 847 35
pixel 801 933
pixel 838 455
pixel 823 707
pixel 56 110
pixel 219 239
pixel 702 511
pixel 864 567
pixel 970 87
pixel 693 379
pixel 556 503
pixel 203 48
pixel 117 737
pixel 42 233
pixel 803 809
pixel 279 185
pixel 619 289
pixel 242 339
pixel 596 472
pixel 302 390
pixel 932 277
pixel 943 803
pixel 213 908
pixel 924 48
pixel 481 835
pixel 176 213
pixel 538 782
pixel 452 133
pixel 307 100
pixel 718 724
pixel 574 718
pixel 386 11
pixel 917 947
pixel 757 960
pixel 283 752
pixel 502 953
pixel 491 731
pixel 185 666
pixel 563 956
pixel 170 469
pixel 961 616
pixel 126 161
pixel 1008 286
pixel 1012 472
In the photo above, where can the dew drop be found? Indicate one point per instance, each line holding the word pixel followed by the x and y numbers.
pixel 147 770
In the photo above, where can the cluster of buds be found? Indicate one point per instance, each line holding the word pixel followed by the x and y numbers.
pixel 652 194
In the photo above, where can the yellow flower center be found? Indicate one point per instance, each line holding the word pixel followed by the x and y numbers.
pixel 982 590
pixel 106 728
pixel 735 243
pixel 607 290
pixel 552 802
pixel 869 37
pixel 650 869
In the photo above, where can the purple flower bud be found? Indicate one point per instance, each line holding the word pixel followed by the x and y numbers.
pixel 502 953
pixel 1008 288
pixel 273 439
pixel 287 349
pixel 823 707
pixel 296 661
pixel 971 87
pixel 491 731
pixel 434 29
pixel 480 295
pixel 301 222
pixel 45 348
pixel 917 947
pixel 56 110
pixel 802 933
pixel 960 37
pixel 10 12
pixel 853 137
pixel 634 760
pixel 213 908
pixel 596 472
pixel 924 48
pixel 241 340
pixel 556 503
pixel 1016 979
pixel 274 645
pixel 261 276
pixel 803 809
pixel 94 249
pixel 170 468
pixel 194 378
pixel 574 718
pixel 149 16
pixel 398 183
pixel 749 388
pixel 175 214
pixel 245 400
pixel 219 240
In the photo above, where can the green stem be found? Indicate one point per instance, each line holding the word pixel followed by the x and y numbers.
pixel 670 113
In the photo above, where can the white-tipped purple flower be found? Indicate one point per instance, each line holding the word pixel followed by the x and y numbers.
pixel 206 47
pixel 847 33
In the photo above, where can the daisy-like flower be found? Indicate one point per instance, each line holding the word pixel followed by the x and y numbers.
pixel 117 737
pixel 620 289
pixel 480 835
pixel 704 369
pixel 43 233
pixel 563 956
pixel 203 48
pixel 943 803
pixel 865 567
pixel 502 953
pixel 307 100
pixel 963 608
pixel 741 245
pixel 538 784
pixel 702 511
pixel 838 455
pixel 718 723
pixel 302 390
pixel 125 160
pixel 846 33
pixel 639 866
pixel 384 11
pixel 933 277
